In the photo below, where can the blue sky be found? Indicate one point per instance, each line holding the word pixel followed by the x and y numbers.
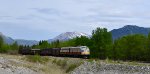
pixel 45 19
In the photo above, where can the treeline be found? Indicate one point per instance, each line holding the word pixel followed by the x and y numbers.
pixel 100 43
pixel 134 47
pixel 8 48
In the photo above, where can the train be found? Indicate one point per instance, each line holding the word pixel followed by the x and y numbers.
pixel 80 51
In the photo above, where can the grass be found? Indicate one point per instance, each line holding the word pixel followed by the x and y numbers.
pixel 37 58
pixel 67 67
pixel 72 67
pixel 61 63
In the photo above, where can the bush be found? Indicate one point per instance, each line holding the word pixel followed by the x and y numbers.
pixel 54 61
pixel 12 52
pixel 71 67
pixel 61 63
pixel 37 58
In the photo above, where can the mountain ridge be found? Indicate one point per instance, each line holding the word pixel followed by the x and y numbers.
pixel 116 33
pixel 129 29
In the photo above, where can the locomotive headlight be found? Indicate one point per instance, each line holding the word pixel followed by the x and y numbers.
pixel 85 50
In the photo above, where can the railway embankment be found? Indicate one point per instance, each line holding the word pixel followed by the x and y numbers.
pixel 113 67
pixel 18 64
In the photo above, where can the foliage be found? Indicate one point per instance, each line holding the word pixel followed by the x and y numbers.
pixel 134 47
pixel 131 47
pixel 42 44
pixel 102 41
pixel 71 67
pixel 5 48
pixel 61 63
pixel 37 58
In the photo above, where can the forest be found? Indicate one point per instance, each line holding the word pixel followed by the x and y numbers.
pixel 133 47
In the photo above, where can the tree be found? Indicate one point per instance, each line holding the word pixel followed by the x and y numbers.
pixel 1 42
pixel 43 44
pixel 82 41
pixel 148 48
pixel 102 41
pixel 14 46
pixel 131 47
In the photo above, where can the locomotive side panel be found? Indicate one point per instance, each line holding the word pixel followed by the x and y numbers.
pixel 70 51
pixel 75 51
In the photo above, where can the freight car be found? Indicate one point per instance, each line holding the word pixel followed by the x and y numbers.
pixel 50 52
pixel 81 51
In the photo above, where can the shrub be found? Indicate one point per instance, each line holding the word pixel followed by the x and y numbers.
pixel 54 61
pixel 71 67
pixel 37 58
pixel 61 63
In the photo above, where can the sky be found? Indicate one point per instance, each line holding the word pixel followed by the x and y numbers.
pixel 45 19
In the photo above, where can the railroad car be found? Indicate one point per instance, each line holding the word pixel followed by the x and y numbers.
pixel 25 51
pixel 35 51
pixel 46 52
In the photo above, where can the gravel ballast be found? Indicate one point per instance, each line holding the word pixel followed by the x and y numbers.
pixel 7 67
pixel 110 68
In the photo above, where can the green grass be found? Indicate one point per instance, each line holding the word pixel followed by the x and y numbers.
pixel 71 67
pixel 37 58
pixel 61 63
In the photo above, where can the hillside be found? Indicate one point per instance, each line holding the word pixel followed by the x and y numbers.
pixel 26 42
pixel 7 40
pixel 129 29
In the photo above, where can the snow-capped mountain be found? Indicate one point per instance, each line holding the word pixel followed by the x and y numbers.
pixel 68 35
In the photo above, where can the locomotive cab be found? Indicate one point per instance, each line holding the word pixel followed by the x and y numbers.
pixel 85 51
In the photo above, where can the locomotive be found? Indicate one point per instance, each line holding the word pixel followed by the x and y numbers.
pixel 80 51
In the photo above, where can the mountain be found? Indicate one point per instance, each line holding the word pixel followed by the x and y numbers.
pixel 26 42
pixel 129 29
pixel 116 33
pixel 7 40
pixel 68 35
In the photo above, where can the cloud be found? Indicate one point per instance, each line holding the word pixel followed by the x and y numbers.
pixel 52 17
pixel 5 17
pixel 50 11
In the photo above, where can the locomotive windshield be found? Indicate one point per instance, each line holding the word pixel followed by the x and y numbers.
pixel 84 49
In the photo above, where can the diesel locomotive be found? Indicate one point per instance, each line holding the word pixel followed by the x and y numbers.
pixel 80 51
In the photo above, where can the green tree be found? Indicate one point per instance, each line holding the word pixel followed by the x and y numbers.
pixel 14 46
pixel 131 47
pixel 55 44
pixel 1 42
pixel 43 44
pixel 102 42
pixel 82 41
pixel 148 48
